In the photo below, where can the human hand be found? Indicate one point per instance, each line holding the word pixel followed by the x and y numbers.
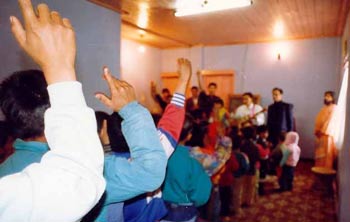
pixel 48 39
pixel 185 73
pixel 121 92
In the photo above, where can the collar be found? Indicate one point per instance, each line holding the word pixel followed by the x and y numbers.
pixel 30 146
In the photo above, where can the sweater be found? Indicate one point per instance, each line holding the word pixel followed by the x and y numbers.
pixel 68 181
pixel 25 154
pixel 186 182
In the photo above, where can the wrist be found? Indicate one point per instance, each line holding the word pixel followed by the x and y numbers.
pixel 55 74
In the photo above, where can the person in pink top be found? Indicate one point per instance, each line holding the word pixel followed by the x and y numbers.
pixel 291 155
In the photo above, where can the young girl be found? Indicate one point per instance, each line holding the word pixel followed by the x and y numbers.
pixel 291 155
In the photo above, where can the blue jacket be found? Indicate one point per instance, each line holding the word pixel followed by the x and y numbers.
pixel 25 154
pixel 147 165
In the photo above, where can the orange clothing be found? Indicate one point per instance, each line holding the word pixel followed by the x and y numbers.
pixel 325 152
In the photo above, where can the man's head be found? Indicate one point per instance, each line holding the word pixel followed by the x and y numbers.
pixel 24 100
pixel 212 88
pixel 194 91
pixel 248 132
pixel 329 98
pixel 247 98
pixel 277 94
pixel 165 92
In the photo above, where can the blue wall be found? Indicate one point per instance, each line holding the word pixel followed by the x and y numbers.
pixel 98 41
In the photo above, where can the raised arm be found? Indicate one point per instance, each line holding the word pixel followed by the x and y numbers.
pixel 68 181
pixel 145 171
pixel 170 125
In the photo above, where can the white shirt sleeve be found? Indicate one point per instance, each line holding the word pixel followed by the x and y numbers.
pixel 260 118
pixel 68 181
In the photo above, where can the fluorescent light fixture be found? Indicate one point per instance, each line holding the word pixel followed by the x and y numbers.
pixel 194 7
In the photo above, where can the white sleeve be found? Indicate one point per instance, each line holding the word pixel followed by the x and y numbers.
pixel 240 112
pixel 68 181
pixel 260 118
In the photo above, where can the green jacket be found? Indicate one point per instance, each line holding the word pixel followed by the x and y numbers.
pixel 185 180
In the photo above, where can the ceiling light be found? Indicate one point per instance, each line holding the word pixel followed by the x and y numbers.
pixel 193 7
pixel 278 30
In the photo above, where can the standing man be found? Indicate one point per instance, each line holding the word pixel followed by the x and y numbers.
pixel 249 112
pixel 325 152
pixel 192 102
pixel 206 101
pixel 279 116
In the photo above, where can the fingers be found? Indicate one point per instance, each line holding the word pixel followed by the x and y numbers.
pixel 18 31
pixel 56 18
pixel 27 12
pixel 44 13
pixel 67 23
pixel 104 99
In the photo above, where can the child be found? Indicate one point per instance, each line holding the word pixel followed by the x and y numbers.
pixel 264 150
pixel 237 185
pixel 291 155
pixel 250 179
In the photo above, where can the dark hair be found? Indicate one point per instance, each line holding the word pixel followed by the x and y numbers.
pixel 194 87
pixel 100 117
pixel 116 137
pixel 213 84
pixel 165 90
pixel 261 129
pixel 187 127
pixel 277 89
pixel 4 133
pixel 331 93
pixel 248 132
pixel 219 101
pixel 248 94
pixel 24 100
pixel 156 117
pixel 282 136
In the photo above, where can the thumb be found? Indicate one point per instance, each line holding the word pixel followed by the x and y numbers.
pixel 18 31
pixel 104 99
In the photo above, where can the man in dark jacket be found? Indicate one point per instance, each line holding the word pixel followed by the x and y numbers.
pixel 279 116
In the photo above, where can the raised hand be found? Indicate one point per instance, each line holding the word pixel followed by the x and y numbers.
pixel 48 39
pixel 121 92
pixel 185 73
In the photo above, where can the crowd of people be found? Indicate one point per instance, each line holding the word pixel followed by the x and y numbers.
pixel 195 161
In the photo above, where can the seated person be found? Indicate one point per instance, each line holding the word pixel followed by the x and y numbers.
pixel 68 181
pixel 249 112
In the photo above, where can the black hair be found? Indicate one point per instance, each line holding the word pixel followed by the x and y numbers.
pixel 100 117
pixel 248 132
pixel 24 100
pixel 278 89
pixel 213 84
pixel 156 117
pixel 194 87
pixel 219 101
pixel 165 90
pixel 187 127
pixel 248 94
pixel 4 133
pixel 261 129
pixel 116 137
pixel 282 136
